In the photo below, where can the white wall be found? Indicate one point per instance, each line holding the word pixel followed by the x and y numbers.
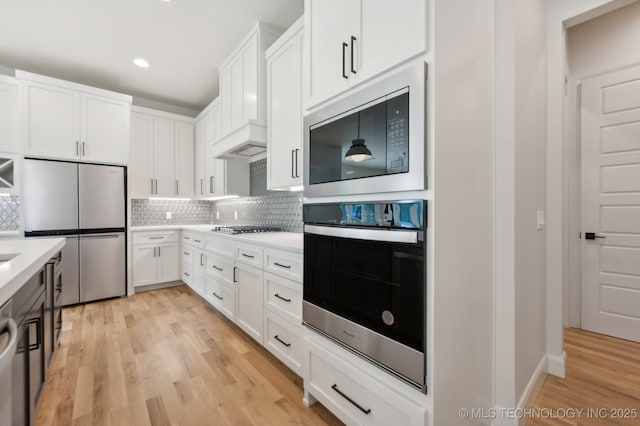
pixel 463 207
pixel 530 189
pixel 604 43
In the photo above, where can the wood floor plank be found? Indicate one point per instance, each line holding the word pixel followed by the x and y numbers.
pixel 164 357
pixel 602 374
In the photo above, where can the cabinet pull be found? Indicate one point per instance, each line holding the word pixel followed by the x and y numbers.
pixel 198 241
pixel 297 150
pixel 187 238
pixel 177 192
pixel 156 186
pixel 353 39
pixel 159 252
pixel 83 149
pixel 282 298
pixel 154 251
pixel 187 274
pixel 201 186
pixel 293 156
pixel 248 255
pixel 151 185
pixel 234 274
pixel 211 184
pixel 155 238
pixel 187 253
pixel 201 259
pixel 344 48
pixel 281 341
pixel 77 148
pixel 358 406
pixel 219 298
pixel 282 266
pixel 219 269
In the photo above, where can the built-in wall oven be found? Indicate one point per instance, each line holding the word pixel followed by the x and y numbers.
pixel 371 141
pixel 364 281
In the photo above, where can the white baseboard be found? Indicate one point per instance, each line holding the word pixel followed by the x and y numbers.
pixel 556 364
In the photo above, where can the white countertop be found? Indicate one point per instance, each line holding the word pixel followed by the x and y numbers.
pixel 291 241
pixel 33 255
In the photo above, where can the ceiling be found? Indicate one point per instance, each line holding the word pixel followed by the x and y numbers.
pixel 94 42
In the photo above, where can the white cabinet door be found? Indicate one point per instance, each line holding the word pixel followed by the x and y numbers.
pixel 144 265
pixel 163 167
pixel 10 117
pixel 328 28
pixel 225 100
pixel 249 311
pixel 216 114
pixel 105 129
pixel 168 262
pixel 53 127
pixel 213 166
pixel 389 34
pixel 141 165
pixel 284 115
pixel 200 160
pixel 250 70
pixel 237 92
pixel 184 159
pixel 199 265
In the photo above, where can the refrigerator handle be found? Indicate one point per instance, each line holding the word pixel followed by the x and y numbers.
pixel 101 236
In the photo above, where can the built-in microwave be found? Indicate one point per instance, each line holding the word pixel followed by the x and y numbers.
pixel 371 141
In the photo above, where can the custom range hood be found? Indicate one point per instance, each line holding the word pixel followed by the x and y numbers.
pixel 245 142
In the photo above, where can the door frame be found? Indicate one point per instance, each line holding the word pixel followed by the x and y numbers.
pixel 561 169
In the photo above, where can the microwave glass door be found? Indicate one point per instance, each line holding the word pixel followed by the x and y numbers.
pixel 382 126
pixel 377 284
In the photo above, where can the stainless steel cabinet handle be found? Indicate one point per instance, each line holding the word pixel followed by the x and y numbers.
pixel 219 298
pixel 201 186
pixel 293 156
pixel 282 266
pixel 344 48
pixel 177 192
pixel 187 238
pixel 297 150
pixel 235 268
pixel 83 149
pixel 281 341
pixel 7 355
pixel 151 185
pixel 157 238
pixel 77 148
pixel 201 259
pixel 186 252
pixel 219 269
pixel 211 184
pixel 159 252
pixel 198 241
pixel 187 274
pixel 156 186
pixel 154 251
pixel 100 236
pixel 353 39
pixel 248 255
pixel 358 406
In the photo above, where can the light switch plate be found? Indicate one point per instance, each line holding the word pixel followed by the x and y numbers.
pixel 235 215
pixel 541 220
pixel 169 215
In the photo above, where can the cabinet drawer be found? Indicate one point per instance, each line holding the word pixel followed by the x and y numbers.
pixel 221 297
pixel 283 297
pixel 187 254
pixel 187 273
pixel 148 237
pixel 249 255
pixel 354 396
pixel 285 264
pixel 220 268
pixel 284 340
pixel 220 246
pixel 194 239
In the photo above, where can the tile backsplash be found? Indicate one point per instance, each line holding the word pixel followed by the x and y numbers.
pixel 263 207
pixel 184 212
pixel 9 213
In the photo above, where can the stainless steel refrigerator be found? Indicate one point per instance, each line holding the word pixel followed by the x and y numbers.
pixel 85 203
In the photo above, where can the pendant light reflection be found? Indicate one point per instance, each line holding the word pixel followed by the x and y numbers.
pixel 358 151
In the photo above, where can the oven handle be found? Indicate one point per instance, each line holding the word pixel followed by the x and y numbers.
pixel 408 237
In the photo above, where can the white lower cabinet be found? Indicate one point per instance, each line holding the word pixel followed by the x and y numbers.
pixel 353 395
pixel 284 340
pixel 250 309
pixel 156 257
pixel 199 265
pixel 221 296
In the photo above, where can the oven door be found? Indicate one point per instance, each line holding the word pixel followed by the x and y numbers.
pixel 366 289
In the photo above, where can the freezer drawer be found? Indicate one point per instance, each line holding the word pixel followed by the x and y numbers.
pixel 101 199
pixel 50 195
pixel 102 266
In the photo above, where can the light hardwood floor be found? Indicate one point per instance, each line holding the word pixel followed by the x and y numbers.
pixel 602 373
pixel 164 357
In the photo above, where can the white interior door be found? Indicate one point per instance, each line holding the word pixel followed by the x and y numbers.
pixel 611 204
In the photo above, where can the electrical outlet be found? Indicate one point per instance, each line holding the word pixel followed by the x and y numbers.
pixel 217 215
pixel 541 220
pixel 169 215
pixel 235 215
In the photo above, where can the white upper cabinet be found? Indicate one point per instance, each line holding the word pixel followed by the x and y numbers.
pixel 73 122
pixel 350 41
pixel 284 109
pixel 10 116
pixel 184 156
pixel 200 159
pixel 243 113
pixel 162 154
pixel 105 129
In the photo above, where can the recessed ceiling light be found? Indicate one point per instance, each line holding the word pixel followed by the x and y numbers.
pixel 141 63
